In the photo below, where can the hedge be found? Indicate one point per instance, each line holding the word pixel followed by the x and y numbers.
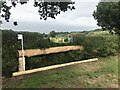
pixel 10 45
pixel 95 46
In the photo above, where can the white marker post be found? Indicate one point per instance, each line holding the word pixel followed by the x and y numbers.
pixel 20 36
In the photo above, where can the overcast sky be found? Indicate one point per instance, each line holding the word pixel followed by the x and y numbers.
pixel 80 19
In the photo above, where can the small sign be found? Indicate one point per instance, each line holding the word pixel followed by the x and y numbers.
pixel 20 36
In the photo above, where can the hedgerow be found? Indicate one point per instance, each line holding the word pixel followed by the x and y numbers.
pixel 95 46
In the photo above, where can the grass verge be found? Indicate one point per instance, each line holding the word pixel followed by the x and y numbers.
pixel 100 74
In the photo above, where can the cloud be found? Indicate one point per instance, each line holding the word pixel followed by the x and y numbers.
pixel 77 20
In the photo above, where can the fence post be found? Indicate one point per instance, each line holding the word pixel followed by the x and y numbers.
pixel 21 64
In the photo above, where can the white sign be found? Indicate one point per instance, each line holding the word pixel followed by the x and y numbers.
pixel 20 36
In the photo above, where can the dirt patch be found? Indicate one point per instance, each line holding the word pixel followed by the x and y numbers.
pixel 104 81
pixel 94 66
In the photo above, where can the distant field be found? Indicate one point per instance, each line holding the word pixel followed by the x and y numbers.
pixel 100 74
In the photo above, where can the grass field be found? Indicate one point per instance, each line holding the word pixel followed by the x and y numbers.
pixel 99 74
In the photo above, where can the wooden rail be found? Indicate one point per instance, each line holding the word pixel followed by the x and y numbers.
pixel 34 52
pixel 52 67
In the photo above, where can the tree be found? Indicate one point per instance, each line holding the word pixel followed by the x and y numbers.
pixel 46 9
pixel 107 15
pixel 52 33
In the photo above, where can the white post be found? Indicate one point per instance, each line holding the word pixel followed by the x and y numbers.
pixel 23 55
pixel 20 36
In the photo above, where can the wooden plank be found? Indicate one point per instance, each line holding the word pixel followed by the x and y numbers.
pixel 34 52
pixel 52 67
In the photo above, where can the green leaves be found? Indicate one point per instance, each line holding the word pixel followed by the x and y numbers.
pixel 52 9
pixel 10 45
pixel 98 45
pixel 95 45
pixel 107 15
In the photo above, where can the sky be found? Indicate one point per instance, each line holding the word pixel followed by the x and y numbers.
pixel 27 16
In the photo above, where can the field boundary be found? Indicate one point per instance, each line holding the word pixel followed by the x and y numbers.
pixel 51 67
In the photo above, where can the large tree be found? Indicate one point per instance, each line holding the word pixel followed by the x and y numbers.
pixel 107 15
pixel 47 8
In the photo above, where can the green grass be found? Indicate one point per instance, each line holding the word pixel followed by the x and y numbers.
pixel 102 73
pixel 97 33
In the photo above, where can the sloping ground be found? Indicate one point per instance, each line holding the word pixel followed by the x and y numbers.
pixel 102 74
pixel 34 52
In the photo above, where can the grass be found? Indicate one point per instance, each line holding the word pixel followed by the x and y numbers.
pixel 100 74
pixel 97 33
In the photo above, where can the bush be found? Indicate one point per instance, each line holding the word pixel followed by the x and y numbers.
pixel 98 45
pixel 52 59
pixel 10 45
pixel 66 40
pixel 9 53
pixel 95 46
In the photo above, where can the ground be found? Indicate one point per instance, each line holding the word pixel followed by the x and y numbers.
pixel 100 74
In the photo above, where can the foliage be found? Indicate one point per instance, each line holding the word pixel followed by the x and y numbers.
pixel 52 59
pixel 10 45
pixel 107 15
pixel 9 52
pixel 52 33
pixel 98 45
pixel 66 39
pixel 95 45
pixel 58 34
pixel 37 38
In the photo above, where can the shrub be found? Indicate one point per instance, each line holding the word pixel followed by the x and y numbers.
pixel 10 45
pixel 9 53
pixel 52 59
pixel 95 46
pixel 66 40
pixel 98 45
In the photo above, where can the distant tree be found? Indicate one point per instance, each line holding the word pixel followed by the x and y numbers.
pixel 52 34
pixel 107 15
pixel 46 9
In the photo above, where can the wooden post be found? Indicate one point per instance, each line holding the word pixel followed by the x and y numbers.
pixel 21 64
